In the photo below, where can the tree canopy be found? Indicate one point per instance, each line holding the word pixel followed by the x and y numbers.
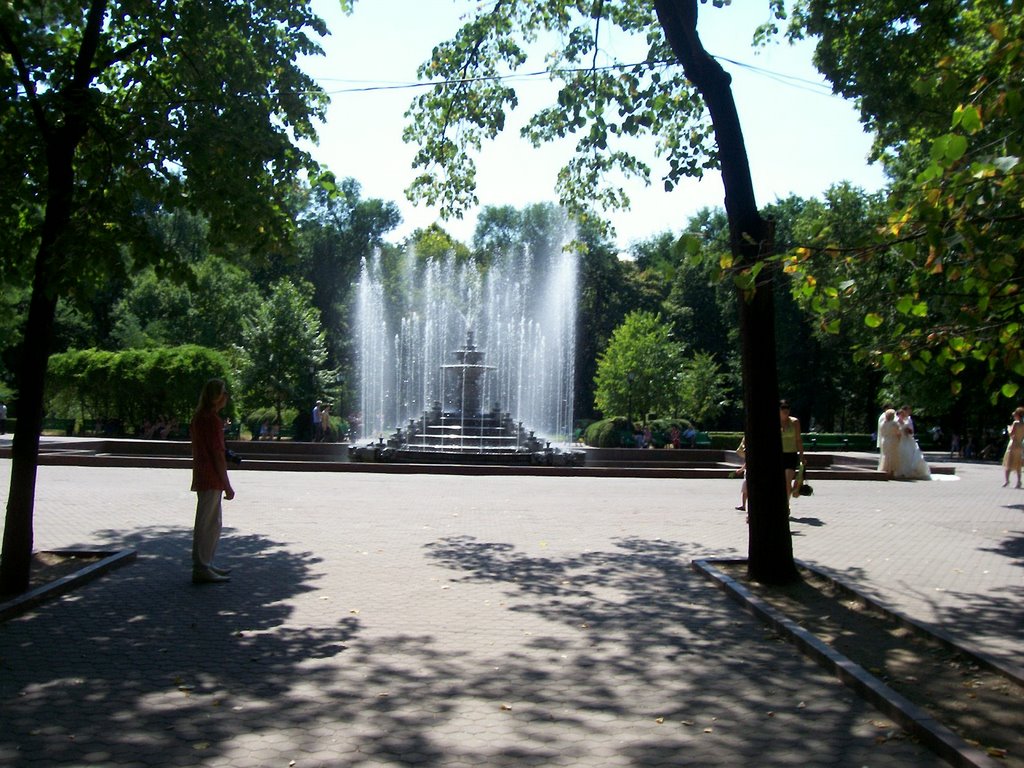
pixel 939 279
pixel 122 107
pixel 601 106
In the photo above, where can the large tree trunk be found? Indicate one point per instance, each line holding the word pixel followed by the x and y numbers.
pixel 62 138
pixel 31 375
pixel 770 543
pixel 17 546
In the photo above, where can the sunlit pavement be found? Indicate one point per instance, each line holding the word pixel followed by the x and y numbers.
pixel 378 619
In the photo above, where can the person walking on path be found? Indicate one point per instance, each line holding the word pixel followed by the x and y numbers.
pixel 792 447
pixel 1013 459
pixel 209 481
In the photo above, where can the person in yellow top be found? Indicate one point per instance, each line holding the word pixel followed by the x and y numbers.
pixel 1012 459
pixel 792 447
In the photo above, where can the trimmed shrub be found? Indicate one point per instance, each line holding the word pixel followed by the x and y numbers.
pixel 128 387
pixel 725 441
pixel 609 433
pixel 254 420
pixel 661 431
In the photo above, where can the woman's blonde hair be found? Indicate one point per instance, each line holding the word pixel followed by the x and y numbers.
pixel 209 395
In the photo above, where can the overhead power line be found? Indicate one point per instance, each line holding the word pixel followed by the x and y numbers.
pixel 793 81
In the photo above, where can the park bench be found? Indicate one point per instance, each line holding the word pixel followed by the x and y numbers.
pixel 826 442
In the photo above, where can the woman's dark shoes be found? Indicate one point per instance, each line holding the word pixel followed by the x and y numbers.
pixel 208 576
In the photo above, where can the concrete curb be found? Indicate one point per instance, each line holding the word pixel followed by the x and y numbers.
pixel 28 600
pixel 940 739
pixel 1013 672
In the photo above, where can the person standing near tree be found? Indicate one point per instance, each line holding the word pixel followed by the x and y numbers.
pixel 317 410
pixel 1013 458
pixel 209 481
pixel 792 447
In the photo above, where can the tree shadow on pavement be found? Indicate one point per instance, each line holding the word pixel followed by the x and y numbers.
pixel 1012 547
pixel 622 655
pixel 636 635
pixel 145 666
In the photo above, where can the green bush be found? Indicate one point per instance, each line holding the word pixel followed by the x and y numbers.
pixel 578 434
pixel 254 419
pixel 609 433
pixel 725 441
pixel 128 387
pixel 661 431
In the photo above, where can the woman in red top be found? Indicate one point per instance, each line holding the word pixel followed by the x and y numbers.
pixel 209 481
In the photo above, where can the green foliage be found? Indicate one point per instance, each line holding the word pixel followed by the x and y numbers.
pixel 904 62
pixel 433 244
pixel 701 388
pixel 152 123
pixel 601 109
pixel 131 386
pixel 283 355
pixel 160 312
pixel 254 420
pixel 661 431
pixel 615 432
pixel 636 370
pixel 944 275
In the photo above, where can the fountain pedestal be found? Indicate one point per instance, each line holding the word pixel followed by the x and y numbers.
pixel 461 431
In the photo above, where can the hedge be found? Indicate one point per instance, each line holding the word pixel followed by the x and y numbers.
pixel 617 432
pixel 121 390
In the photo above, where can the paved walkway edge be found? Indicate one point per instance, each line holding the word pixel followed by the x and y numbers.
pixel 28 600
pixel 940 739
pixel 1013 672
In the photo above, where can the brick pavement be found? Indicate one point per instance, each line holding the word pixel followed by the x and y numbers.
pixel 440 620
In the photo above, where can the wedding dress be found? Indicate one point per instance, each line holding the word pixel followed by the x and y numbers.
pixel 910 464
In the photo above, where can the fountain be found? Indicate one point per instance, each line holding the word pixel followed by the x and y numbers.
pixel 457 363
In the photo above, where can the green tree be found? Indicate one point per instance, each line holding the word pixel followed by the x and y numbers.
pixel 636 372
pixel 284 353
pixel 691 111
pixel 125 106
pixel 949 253
pixel 606 296
pixel 903 62
pixel 338 230
pixel 207 310
pixel 701 389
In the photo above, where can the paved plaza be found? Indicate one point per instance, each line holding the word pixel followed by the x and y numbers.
pixel 382 620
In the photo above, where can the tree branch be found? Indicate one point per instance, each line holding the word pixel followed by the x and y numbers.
pixel 25 78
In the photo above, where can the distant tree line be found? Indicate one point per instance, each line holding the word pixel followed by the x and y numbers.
pixel 656 326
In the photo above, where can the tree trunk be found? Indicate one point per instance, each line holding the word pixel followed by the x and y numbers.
pixel 18 539
pixel 16 560
pixel 770 543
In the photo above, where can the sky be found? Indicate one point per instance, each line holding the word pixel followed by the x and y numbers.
pixel 800 138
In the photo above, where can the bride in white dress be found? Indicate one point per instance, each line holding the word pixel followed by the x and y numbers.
pixel 911 464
